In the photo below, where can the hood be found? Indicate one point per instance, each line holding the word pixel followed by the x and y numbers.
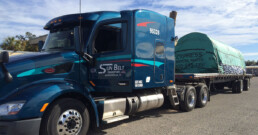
pixel 26 56
pixel 30 67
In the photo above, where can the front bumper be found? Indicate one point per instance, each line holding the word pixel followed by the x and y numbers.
pixel 22 127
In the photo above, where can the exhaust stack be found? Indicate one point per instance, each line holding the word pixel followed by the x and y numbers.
pixel 173 15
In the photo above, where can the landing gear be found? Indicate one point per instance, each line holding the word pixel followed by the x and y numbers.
pixel 237 86
pixel 246 84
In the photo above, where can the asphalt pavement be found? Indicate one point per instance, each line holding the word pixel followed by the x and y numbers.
pixel 225 114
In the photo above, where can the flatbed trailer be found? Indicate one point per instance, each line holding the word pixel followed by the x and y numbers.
pixel 215 80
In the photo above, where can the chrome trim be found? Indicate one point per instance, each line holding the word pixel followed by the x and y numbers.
pixel 69 123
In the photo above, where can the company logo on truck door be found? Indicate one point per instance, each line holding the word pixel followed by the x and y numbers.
pixel 111 69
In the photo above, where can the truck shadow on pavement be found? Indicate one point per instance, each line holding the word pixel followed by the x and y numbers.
pixel 223 91
pixel 156 113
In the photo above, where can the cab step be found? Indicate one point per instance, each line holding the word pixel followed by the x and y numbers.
pixel 173 97
pixel 115 119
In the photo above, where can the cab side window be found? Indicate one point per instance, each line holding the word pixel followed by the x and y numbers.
pixel 160 49
pixel 108 38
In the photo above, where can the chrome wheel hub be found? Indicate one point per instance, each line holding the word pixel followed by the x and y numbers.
pixel 204 96
pixel 191 99
pixel 69 123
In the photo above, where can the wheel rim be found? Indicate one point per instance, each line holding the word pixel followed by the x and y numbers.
pixel 69 123
pixel 191 99
pixel 204 96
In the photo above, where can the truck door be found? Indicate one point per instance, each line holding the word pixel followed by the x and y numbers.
pixel 112 71
pixel 159 72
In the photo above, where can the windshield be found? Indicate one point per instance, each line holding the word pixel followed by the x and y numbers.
pixel 61 39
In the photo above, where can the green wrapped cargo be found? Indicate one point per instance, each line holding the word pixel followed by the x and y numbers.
pixel 198 53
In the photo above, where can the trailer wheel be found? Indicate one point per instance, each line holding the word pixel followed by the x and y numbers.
pixel 66 117
pixel 237 86
pixel 246 84
pixel 202 95
pixel 189 99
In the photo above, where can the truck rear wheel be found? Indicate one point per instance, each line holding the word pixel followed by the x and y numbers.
pixel 246 84
pixel 189 99
pixel 66 117
pixel 237 86
pixel 202 95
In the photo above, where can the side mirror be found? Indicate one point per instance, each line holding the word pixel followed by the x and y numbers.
pixel 78 48
pixel 40 45
pixel 4 57
pixel 90 60
pixel 77 40
pixel 174 38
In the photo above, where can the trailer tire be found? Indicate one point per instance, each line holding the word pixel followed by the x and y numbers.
pixel 246 84
pixel 202 95
pixel 66 116
pixel 189 102
pixel 237 86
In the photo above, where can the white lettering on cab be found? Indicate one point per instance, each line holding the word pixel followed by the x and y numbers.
pixel 154 31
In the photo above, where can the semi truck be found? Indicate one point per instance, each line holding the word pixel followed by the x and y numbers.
pixel 98 68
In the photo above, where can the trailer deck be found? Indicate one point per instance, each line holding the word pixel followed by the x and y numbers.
pixel 208 75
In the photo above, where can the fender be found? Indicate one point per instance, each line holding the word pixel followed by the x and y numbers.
pixel 37 93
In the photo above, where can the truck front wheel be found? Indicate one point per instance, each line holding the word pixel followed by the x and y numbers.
pixel 202 95
pixel 189 99
pixel 66 117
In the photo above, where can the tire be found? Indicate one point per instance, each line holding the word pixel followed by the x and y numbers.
pixel 189 99
pixel 246 84
pixel 202 95
pixel 237 86
pixel 66 116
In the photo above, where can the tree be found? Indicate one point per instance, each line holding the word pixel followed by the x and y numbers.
pixel 29 36
pixel 9 43
pixel 250 63
pixel 19 43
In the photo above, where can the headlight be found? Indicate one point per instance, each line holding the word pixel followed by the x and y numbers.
pixel 10 108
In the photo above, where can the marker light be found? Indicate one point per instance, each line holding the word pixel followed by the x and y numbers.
pixel 92 84
pixel 44 107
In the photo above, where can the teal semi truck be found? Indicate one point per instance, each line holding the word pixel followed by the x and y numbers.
pixel 101 67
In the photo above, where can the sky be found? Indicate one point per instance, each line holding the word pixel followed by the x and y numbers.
pixel 233 22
